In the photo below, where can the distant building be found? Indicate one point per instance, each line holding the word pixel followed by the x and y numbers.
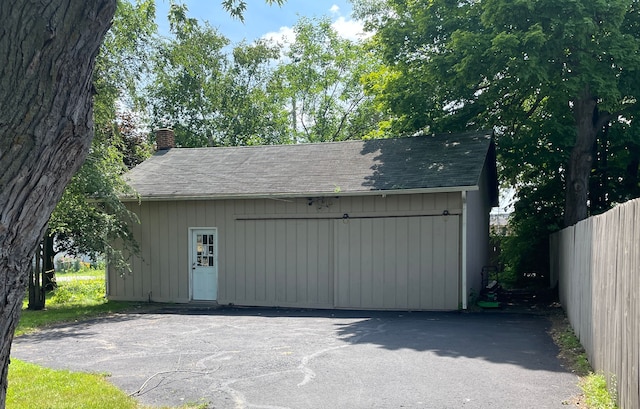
pixel 499 223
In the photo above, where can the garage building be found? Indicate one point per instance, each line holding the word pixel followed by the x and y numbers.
pixel 398 224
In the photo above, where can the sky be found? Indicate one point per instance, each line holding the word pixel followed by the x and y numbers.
pixel 262 20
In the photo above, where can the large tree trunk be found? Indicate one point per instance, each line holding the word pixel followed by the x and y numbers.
pixel 47 49
pixel 631 181
pixel 588 123
pixel 599 199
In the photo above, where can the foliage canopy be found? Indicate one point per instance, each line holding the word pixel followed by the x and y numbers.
pixel 90 216
pixel 557 81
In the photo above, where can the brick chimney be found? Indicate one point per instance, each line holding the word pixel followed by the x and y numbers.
pixel 165 139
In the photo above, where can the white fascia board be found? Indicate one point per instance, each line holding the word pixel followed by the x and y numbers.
pixel 300 194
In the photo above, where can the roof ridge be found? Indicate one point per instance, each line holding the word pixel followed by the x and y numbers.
pixel 349 141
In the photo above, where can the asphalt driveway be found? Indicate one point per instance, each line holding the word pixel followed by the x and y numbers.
pixel 270 358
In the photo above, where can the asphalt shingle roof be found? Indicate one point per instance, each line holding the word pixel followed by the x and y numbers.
pixel 440 162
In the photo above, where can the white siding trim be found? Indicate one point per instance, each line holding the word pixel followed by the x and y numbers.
pixel 464 251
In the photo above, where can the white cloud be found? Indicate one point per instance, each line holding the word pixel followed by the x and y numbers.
pixel 350 29
pixel 285 35
pixel 346 28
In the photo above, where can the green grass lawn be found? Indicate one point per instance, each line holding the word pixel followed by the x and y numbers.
pixel 33 387
pixel 74 300
pixel 595 393
pixel 85 272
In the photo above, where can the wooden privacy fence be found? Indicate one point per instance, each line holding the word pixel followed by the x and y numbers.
pixel 597 264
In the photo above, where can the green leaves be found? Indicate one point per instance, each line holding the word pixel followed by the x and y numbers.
pixel 308 91
pixel 522 68
pixel 236 8
pixel 90 216
pixel 322 84
pixel 209 97
pixel 512 65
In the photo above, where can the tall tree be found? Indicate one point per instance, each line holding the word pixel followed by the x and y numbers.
pixel 322 83
pixel 251 113
pixel 89 214
pixel 548 75
pixel 48 55
pixel 208 96
pixel 188 71
pixel 46 127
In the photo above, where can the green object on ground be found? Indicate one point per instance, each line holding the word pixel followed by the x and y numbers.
pixel 488 304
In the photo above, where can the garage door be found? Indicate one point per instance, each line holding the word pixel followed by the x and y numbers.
pixel 397 263
pixel 282 263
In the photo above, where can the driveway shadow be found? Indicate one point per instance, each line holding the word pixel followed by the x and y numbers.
pixel 515 339
pixel 501 337
pixel 76 329
pixel 508 338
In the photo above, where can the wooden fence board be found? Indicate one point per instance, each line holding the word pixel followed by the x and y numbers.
pixel 582 268
pixel 634 382
pixel 599 313
pixel 630 352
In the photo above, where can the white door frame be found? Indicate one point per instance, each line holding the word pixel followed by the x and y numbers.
pixel 192 260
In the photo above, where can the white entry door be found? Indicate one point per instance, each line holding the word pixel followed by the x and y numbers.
pixel 204 264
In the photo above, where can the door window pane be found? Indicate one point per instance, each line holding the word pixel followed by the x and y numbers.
pixel 205 250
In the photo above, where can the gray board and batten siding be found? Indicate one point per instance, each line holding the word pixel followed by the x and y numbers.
pixel 359 224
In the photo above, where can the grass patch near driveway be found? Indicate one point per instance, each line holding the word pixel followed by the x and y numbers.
pixel 73 300
pixel 34 387
pixel 572 354
pixel 595 393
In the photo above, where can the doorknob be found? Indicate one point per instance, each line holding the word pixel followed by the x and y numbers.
pixel 193 267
